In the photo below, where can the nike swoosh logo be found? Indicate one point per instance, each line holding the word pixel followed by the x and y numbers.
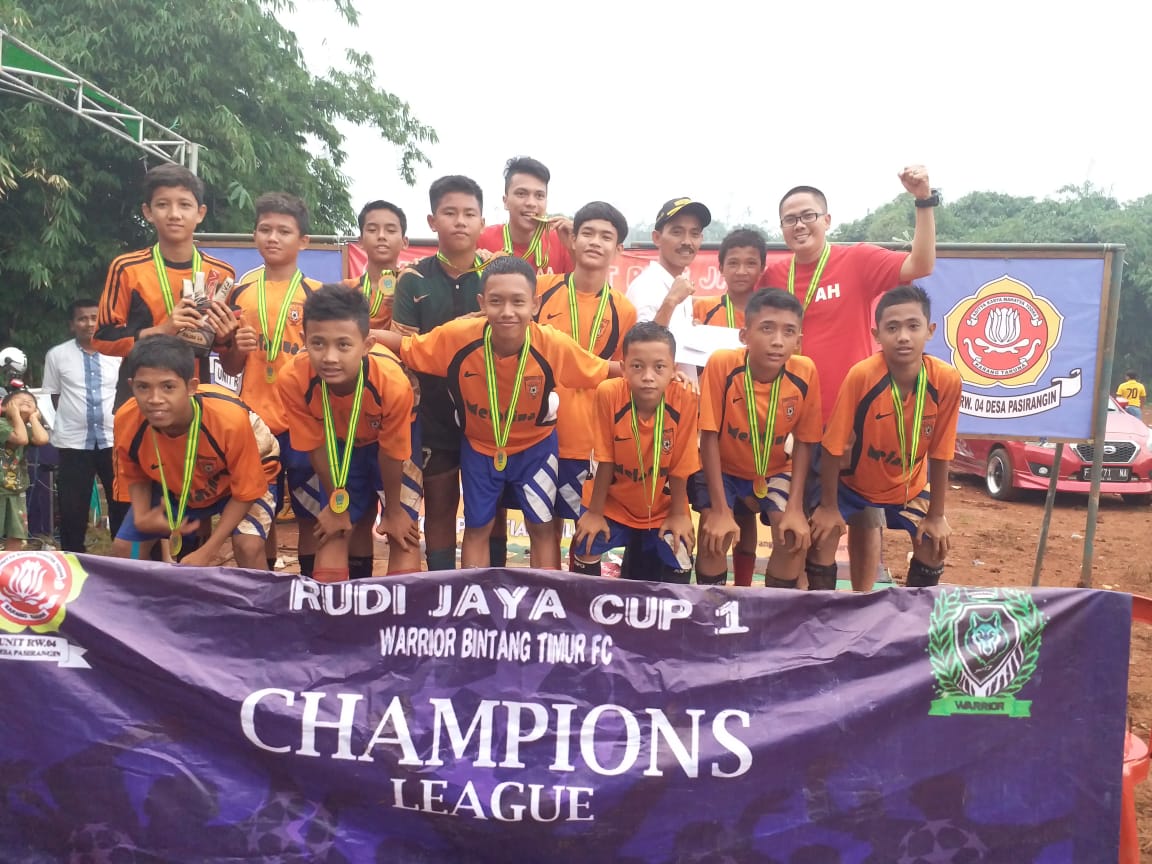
pixel 552 315
pixel 882 416
pixel 418 299
pixel 622 438
pixel 471 374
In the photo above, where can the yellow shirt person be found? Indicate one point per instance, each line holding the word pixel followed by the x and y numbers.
pixel 1134 392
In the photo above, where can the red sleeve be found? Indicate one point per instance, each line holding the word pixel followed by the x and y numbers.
pixel 879 268
pixel 839 431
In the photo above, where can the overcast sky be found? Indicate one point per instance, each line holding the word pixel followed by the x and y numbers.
pixel 732 102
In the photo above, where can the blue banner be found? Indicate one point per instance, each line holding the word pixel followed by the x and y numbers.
pixel 167 713
pixel 1024 334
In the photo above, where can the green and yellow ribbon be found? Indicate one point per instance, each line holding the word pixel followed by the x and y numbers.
pixel 657 448
pixel 535 245
pixel 501 433
pixel 162 274
pixel 276 340
pixel 761 447
pixel 340 464
pixel 377 302
pixel 574 313
pixel 908 455
pixel 814 284
pixel 190 449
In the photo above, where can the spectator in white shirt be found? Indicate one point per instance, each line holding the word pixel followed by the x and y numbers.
pixel 663 292
pixel 82 384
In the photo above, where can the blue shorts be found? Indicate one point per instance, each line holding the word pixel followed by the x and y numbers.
pixel 647 540
pixel 529 474
pixel 737 490
pixel 906 517
pixel 309 498
pixel 257 522
pixel 570 487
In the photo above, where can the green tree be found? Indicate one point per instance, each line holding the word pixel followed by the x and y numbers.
pixel 222 73
pixel 1077 214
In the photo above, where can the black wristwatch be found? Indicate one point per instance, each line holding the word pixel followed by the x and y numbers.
pixel 932 200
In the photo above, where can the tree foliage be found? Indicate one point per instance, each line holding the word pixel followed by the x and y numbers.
pixel 222 73
pixel 1078 214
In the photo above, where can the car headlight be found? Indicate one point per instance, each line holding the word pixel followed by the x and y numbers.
pixel 1049 445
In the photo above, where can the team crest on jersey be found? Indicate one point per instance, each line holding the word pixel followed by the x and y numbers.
pixel 35 587
pixel 1002 336
pixel 534 383
pixel 208 466
pixel 666 445
pixel 790 408
pixel 374 423
pixel 294 314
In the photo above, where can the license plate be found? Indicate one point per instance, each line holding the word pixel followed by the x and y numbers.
pixel 1108 475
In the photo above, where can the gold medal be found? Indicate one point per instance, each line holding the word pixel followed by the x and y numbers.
pixel 338 501
pixel 500 460
pixel 175 543
pixel 269 373
pixel 388 286
pixel 760 487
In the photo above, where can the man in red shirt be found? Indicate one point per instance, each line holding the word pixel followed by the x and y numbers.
pixel 838 286
pixel 529 234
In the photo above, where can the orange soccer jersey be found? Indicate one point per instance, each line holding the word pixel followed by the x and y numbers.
pixel 231 460
pixel 134 301
pixel 631 489
pixel 456 351
pixel 386 414
pixel 723 410
pixel 714 311
pixel 865 420
pixel 574 429
pixel 256 391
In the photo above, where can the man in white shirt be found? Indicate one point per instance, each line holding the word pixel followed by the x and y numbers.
pixel 663 292
pixel 82 384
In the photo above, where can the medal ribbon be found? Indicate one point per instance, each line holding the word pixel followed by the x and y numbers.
pixel 476 267
pixel 729 311
pixel 574 313
pixel 501 435
pixel 374 310
pixel 816 274
pixel 277 339
pixel 162 274
pixel 340 465
pixel 535 245
pixel 174 522
pixel 657 447
pixel 908 455
pixel 761 447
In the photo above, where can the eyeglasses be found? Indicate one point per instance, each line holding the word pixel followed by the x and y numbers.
pixel 807 217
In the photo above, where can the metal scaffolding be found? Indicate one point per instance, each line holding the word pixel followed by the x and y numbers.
pixel 24 71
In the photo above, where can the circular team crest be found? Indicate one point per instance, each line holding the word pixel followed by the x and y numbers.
pixel 34 587
pixel 1003 334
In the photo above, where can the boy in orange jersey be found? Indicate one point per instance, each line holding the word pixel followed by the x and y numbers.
pixel 143 294
pixel 742 255
pixel 502 372
pixel 542 243
pixel 645 450
pixel 185 454
pixel 383 236
pixel 751 400
pixel 350 408
pixel 270 303
pixel 583 305
pixel 890 441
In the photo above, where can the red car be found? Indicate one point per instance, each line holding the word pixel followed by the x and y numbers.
pixel 1008 466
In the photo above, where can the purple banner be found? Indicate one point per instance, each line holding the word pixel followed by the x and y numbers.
pixel 162 713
